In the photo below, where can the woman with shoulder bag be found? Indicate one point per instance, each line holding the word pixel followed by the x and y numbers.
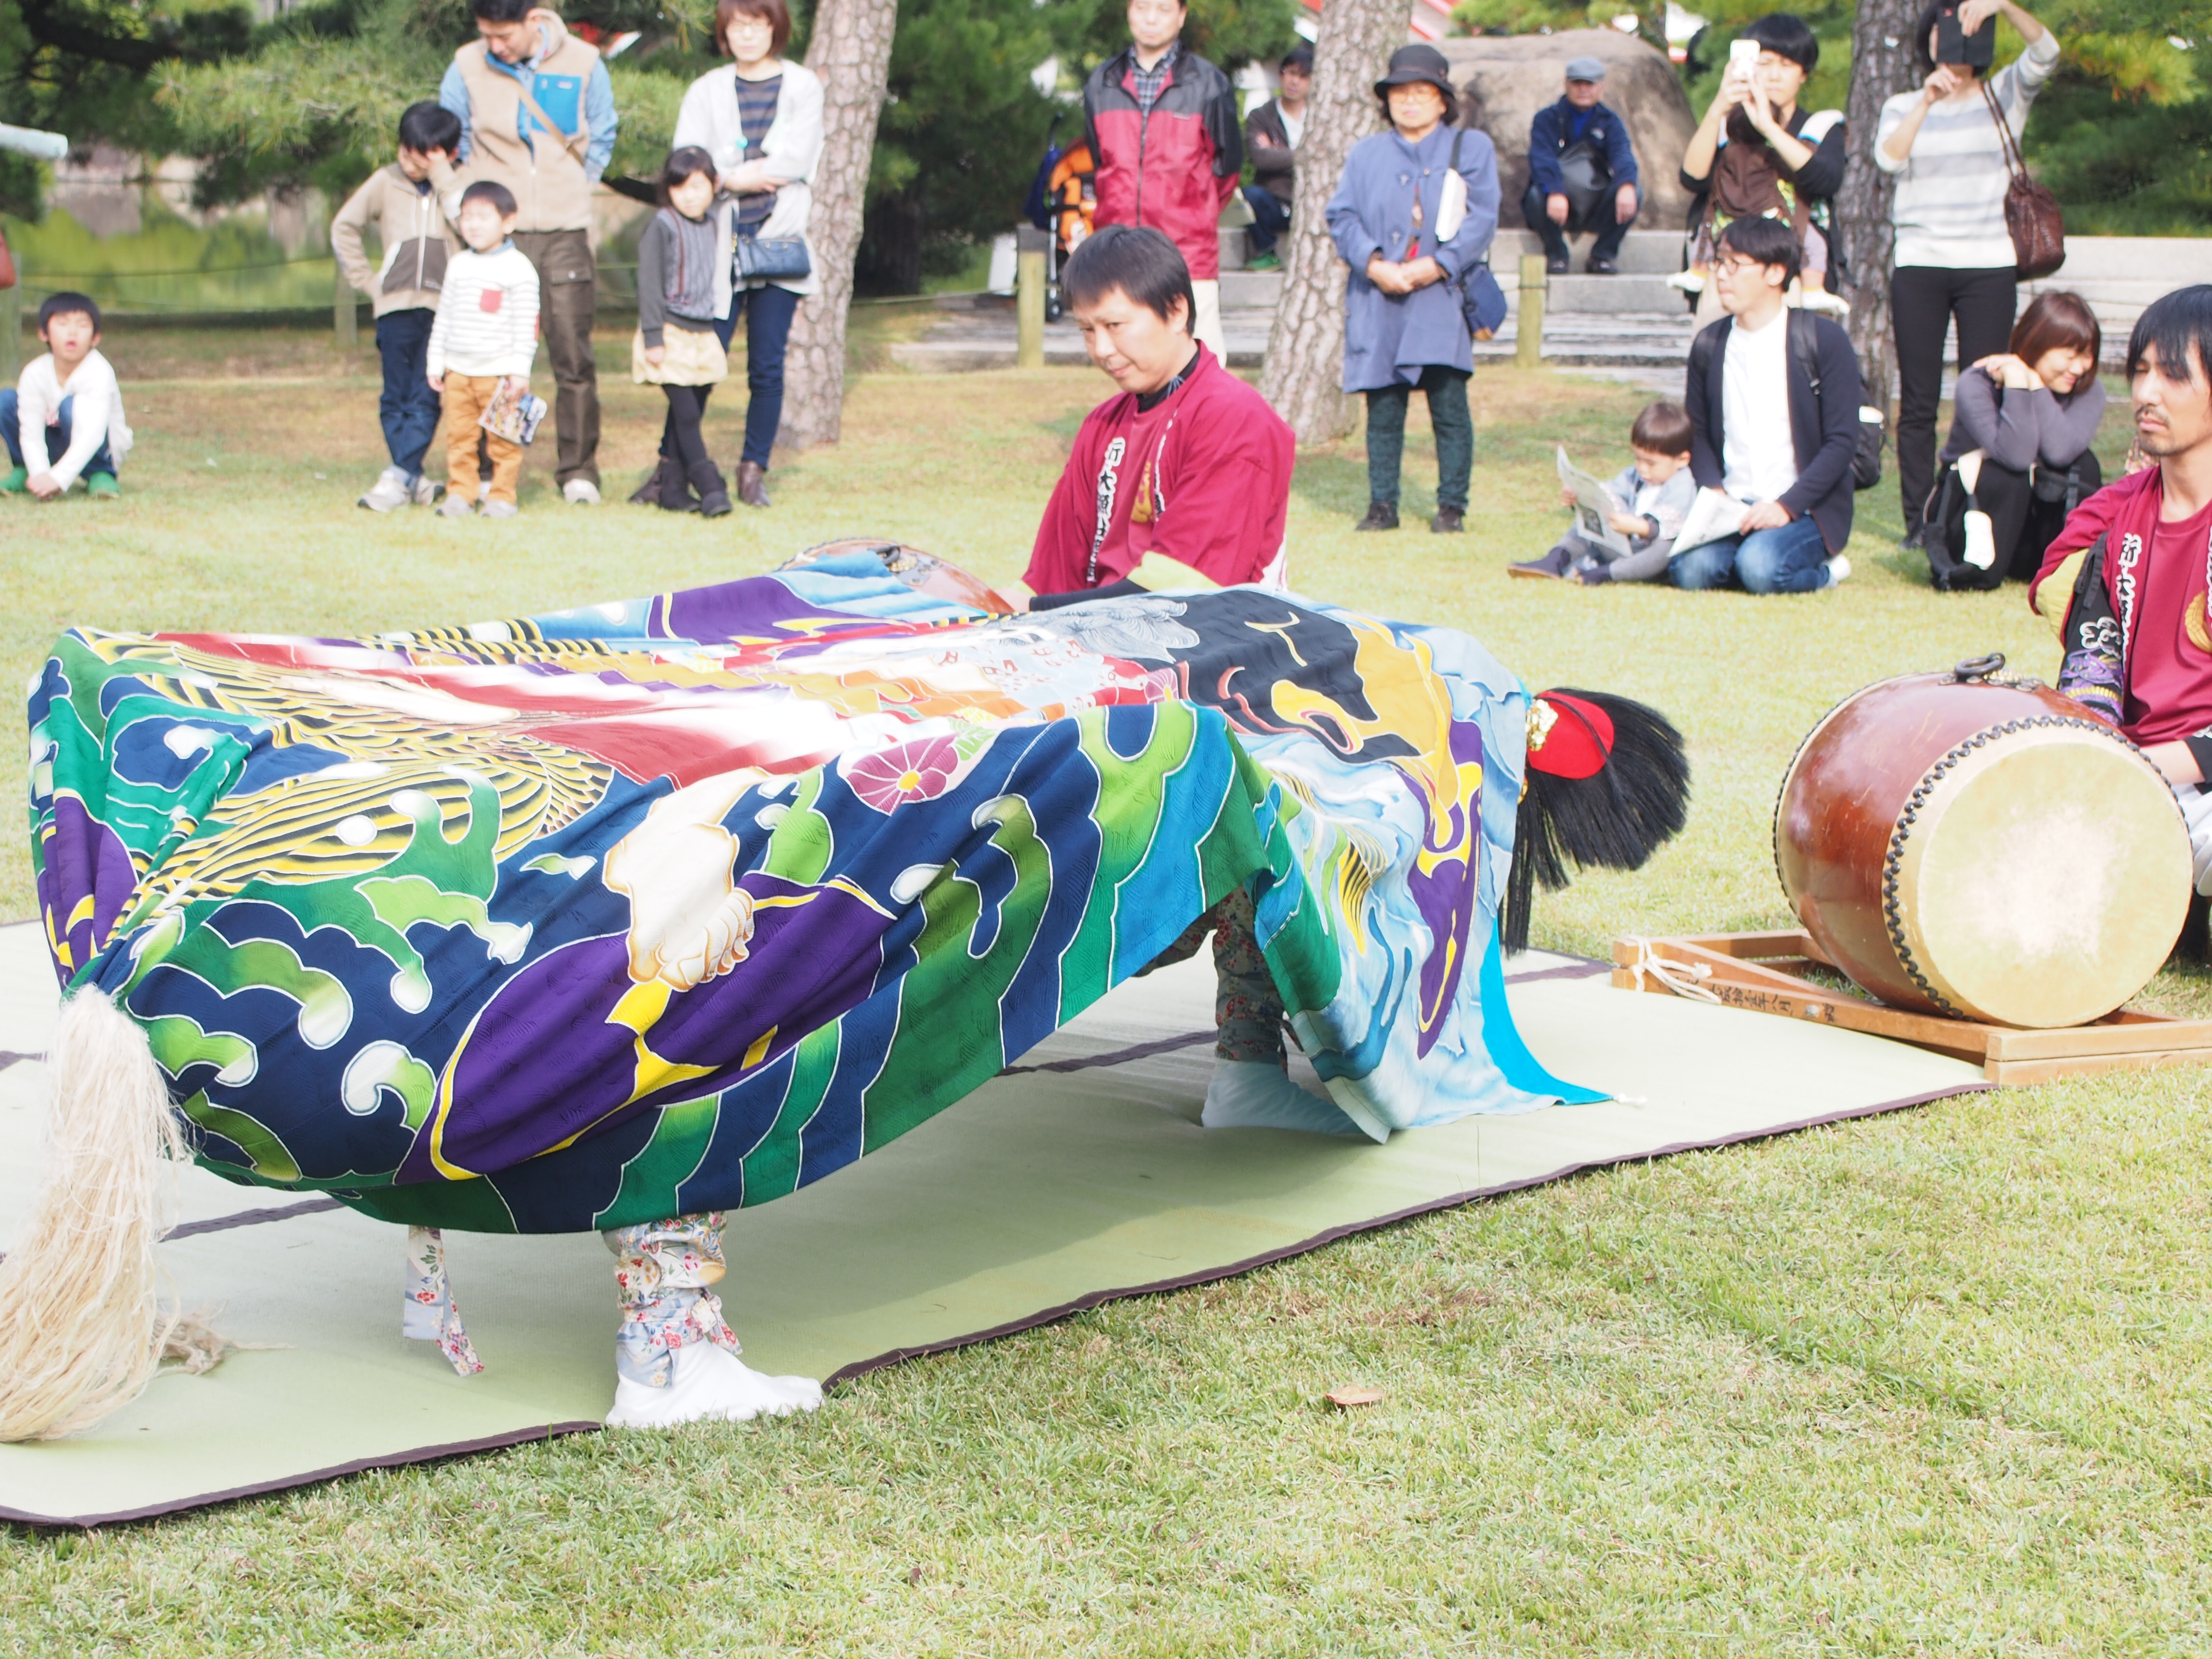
pixel 1411 224
pixel 2020 458
pixel 1954 259
pixel 760 118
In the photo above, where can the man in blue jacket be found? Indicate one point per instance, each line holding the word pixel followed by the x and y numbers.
pixel 1582 172
pixel 1773 395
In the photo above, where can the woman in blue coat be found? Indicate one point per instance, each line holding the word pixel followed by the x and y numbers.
pixel 1403 326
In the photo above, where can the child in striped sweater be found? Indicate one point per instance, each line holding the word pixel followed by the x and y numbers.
pixel 486 333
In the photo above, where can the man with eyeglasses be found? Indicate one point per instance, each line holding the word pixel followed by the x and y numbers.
pixel 1773 396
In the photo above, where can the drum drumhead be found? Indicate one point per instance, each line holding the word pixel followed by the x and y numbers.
pixel 2043 880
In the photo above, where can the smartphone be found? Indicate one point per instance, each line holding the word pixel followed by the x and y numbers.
pixel 1743 57
pixel 1953 44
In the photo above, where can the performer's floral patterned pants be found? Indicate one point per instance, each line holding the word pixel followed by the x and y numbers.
pixel 1248 1009
pixel 662 1273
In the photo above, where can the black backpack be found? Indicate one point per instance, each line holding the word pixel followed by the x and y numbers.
pixel 1804 347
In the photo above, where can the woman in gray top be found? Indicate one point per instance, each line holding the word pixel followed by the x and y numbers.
pixel 2023 422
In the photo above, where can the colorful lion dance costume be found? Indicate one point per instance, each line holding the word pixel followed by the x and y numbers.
pixel 620 917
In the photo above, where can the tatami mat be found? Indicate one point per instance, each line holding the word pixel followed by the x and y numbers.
pixel 1063 1184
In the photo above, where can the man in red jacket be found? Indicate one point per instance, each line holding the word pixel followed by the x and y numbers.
pixel 1181 481
pixel 1188 470
pixel 1162 126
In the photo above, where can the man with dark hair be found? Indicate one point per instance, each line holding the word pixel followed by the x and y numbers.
pixel 1162 125
pixel 1272 133
pixel 538 115
pixel 1182 479
pixel 1578 135
pixel 1773 395
pixel 2125 582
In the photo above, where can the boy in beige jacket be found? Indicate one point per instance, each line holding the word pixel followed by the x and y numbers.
pixel 417 240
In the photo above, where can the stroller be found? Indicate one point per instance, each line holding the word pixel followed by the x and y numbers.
pixel 1062 199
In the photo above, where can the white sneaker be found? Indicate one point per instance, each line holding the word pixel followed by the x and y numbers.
pixel 455 506
pixel 389 492
pixel 709 1384
pixel 426 491
pixel 499 509
pixel 1688 281
pixel 1256 1094
pixel 1840 572
pixel 581 492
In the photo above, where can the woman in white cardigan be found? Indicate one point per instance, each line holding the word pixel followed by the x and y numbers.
pixel 760 118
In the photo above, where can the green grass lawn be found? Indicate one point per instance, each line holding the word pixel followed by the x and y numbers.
pixel 1933 1383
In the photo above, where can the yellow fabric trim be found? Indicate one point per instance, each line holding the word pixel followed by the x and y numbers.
pixel 2059 584
pixel 1156 571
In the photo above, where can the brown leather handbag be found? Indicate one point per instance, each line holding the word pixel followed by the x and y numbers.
pixel 2032 215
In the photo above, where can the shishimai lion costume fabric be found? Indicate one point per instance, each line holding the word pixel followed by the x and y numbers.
pixel 675 905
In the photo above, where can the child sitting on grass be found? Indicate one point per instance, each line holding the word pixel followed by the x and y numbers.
pixel 404 288
pixel 64 421
pixel 1651 497
pixel 485 337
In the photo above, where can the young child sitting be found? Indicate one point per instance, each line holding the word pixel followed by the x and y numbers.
pixel 683 285
pixel 1652 496
pixel 403 289
pixel 64 421
pixel 485 338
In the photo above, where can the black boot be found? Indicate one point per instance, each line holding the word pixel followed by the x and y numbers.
pixel 648 493
pixel 1381 516
pixel 675 492
pixel 714 491
pixel 1448 521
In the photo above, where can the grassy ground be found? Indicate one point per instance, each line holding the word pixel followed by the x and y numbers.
pixel 1933 1383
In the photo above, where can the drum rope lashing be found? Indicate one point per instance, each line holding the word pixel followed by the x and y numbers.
pixel 1684 979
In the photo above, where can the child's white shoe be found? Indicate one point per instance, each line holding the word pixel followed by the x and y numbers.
pixel 389 492
pixel 1838 572
pixel 709 1384
pixel 454 506
pixel 1688 281
pixel 426 491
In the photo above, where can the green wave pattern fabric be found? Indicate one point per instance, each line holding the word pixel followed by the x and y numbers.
pixel 678 904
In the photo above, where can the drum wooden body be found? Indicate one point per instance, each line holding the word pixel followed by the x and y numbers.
pixel 1983 849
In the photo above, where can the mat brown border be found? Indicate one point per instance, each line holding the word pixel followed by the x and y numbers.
pixel 1251 1264
pixel 262 1488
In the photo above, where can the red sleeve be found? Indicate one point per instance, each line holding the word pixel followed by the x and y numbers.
pixel 1061 556
pixel 2091 520
pixel 1225 520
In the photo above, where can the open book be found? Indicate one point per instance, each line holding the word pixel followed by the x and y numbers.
pixel 1593 507
pixel 1711 517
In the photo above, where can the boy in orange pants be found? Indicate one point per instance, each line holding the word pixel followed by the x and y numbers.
pixel 486 334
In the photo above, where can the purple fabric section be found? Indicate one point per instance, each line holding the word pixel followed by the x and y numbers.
pixel 83 856
pixel 500 1102
pixel 735 610
pixel 1446 895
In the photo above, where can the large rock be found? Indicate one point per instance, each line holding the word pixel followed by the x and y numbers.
pixel 1511 78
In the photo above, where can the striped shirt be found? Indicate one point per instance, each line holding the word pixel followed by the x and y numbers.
pixel 756 102
pixel 487 320
pixel 1950 209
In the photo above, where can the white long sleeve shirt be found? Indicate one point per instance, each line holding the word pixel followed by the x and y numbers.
pixel 487 320
pixel 1949 206
pixel 95 418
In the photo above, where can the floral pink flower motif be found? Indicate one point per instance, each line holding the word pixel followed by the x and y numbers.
pixel 918 770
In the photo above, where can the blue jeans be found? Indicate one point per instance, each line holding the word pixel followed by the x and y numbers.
pixel 768 312
pixel 58 436
pixel 409 408
pixel 1271 217
pixel 1790 559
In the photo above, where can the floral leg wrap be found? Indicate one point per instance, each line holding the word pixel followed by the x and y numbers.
pixel 1248 1009
pixel 662 1270
pixel 428 1312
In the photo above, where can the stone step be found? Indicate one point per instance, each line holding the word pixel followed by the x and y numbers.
pixel 2172 261
pixel 1644 252
pixel 1585 296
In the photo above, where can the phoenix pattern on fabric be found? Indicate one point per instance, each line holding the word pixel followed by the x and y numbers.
pixel 669 905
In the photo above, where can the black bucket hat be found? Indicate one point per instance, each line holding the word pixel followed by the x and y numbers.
pixel 1417 65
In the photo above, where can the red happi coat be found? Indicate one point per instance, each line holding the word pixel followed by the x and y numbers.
pixel 1204 477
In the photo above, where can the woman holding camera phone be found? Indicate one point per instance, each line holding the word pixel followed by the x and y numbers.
pixel 1954 259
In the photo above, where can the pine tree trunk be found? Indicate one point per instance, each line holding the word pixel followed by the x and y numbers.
pixel 851 50
pixel 1304 370
pixel 1881 67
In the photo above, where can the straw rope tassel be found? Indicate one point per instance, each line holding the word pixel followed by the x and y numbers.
pixel 80 1331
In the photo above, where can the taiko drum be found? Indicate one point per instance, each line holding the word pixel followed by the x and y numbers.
pixel 1973 844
